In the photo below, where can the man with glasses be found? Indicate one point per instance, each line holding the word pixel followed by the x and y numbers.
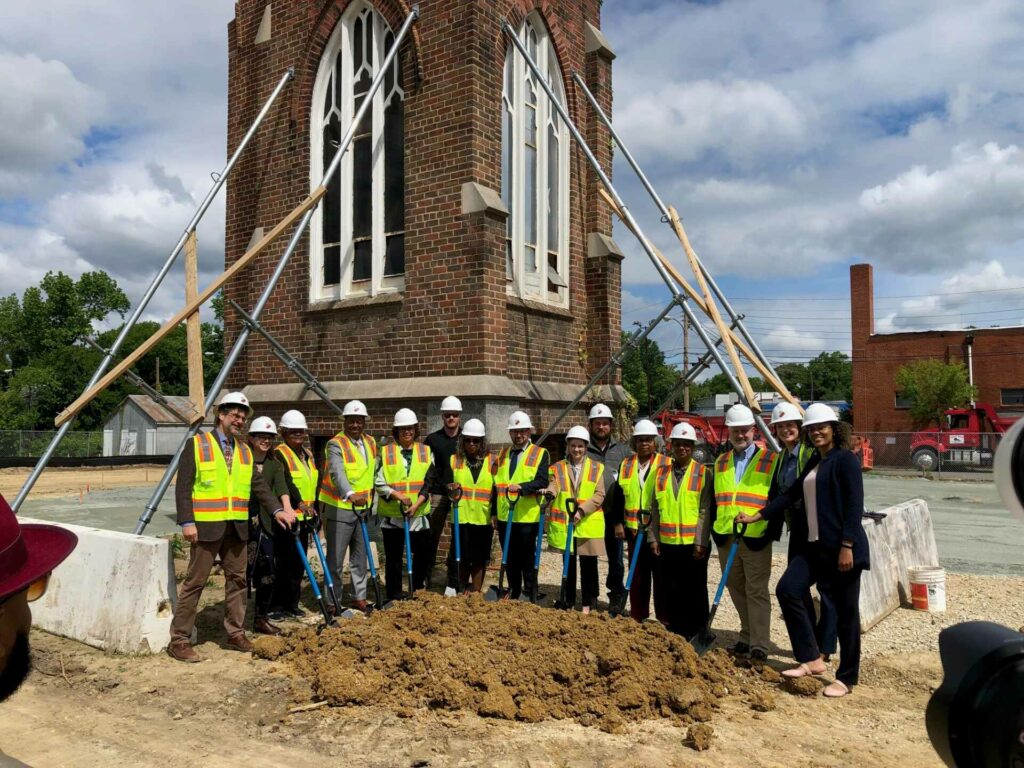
pixel 211 494
pixel 28 554
pixel 443 444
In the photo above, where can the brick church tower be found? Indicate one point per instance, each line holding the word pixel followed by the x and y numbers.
pixel 462 248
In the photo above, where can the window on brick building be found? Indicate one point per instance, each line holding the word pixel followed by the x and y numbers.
pixel 535 173
pixel 903 402
pixel 1013 396
pixel 358 231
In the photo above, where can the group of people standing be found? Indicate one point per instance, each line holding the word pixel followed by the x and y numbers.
pixel 236 496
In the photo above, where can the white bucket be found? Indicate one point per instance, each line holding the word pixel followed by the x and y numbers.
pixel 928 588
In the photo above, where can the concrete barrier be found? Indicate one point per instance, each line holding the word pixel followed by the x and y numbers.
pixel 879 587
pixel 114 592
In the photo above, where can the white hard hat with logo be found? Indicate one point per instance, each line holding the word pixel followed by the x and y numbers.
pixel 739 416
pixel 264 425
pixel 451 404
pixel 645 428
pixel 235 398
pixel 683 431
pixel 819 413
pixel 578 433
pixel 474 428
pixel 519 420
pixel 786 412
pixel 404 417
pixel 293 420
pixel 354 408
pixel 600 411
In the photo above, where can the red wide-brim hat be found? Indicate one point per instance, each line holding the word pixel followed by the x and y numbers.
pixel 29 551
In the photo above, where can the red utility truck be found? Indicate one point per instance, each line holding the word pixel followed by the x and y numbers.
pixel 967 438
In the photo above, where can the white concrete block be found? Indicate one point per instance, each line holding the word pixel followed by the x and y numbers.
pixel 908 530
pixel 114 592
pixel 879 587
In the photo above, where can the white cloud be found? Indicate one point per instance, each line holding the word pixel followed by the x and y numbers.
pixel 786 338
pixel 734 191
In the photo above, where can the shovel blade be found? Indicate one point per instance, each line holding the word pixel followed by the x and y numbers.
pixel 493 595
pixel 703 641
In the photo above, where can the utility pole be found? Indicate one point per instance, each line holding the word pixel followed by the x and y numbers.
pixel 686 363
pixel 157 387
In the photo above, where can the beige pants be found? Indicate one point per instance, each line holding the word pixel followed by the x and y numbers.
pixel 232 551
pixel 748 588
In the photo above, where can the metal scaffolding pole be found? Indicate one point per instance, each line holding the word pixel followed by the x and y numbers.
pixel 699 367
pixel 142 384
pixel 290 361
pixel 632 224
pixel 737 319
pixel 218 181
pixel 243 337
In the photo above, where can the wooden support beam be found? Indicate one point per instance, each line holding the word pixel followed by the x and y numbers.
pixel 193 331
pixel 712 309
pixel 192 306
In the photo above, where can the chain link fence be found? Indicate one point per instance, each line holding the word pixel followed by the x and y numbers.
pixel 932 451
pixel 32 443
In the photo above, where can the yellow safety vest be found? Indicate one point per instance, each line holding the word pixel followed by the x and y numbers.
pixel 408 481
pixel 304 475
pixel 678 512
pixel 475 504
pixel 591 526
pixel 528 507
pixel 748 496
pixel 358 470
pixel 219 495
pixel 637 496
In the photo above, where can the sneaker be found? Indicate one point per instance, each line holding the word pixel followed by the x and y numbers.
pixel 297 612
pixel 739 649
pixel 279 615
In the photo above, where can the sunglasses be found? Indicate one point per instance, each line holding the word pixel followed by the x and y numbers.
pixel 33 591
pixel 471 440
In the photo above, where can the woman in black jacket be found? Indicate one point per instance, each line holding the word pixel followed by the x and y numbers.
pixel 835 553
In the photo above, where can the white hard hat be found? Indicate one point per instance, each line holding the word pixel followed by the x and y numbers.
pixel 683 431
pixel 578 433
pixel 451 404
pixel 404 417
pixel 519 420
pixel 235 398
pixel 600 411
pixel 264 425
pixel 739 416
pixel 293 420
pixel 819 413
pixel 645 428
pixel 354 408
pixel 786 412
pixel 473 428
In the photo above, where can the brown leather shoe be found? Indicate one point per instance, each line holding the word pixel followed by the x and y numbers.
pixel 262 626
pixel 240 642
pixel 183 651
pixel 359 605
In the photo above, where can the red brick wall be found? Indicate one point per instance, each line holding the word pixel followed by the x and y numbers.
pixel 454 316
pixel 998 355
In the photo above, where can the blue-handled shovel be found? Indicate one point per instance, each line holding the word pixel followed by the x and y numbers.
pixel 329 580
pixel 496 593
pixel 571 508
pixel 328 619
pixel 643 517
pixel 455 495
pixel 534 596
pixel 705 639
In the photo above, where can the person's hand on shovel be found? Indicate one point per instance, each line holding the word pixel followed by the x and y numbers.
pixel 699 552
pixel 742 519
pixel 285 518
pixel 359 499
pixel 400 497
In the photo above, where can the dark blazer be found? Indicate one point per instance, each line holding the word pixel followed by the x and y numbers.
pixel 839 500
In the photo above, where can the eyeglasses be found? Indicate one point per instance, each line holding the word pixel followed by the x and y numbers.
pixel 262 438
pixel 406 429
pixel 295 432
pixel 450 415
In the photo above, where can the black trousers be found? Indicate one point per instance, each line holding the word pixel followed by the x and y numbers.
pixel 261 570
pixel 825 630
pixel 394 558
pixel 440 506
pixel 616 571
pixel 591 583
pixel 519 571
pixel 843 589
pixel 685 581
pixel 288 567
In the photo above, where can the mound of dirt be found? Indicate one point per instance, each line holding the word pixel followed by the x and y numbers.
pixel 512 661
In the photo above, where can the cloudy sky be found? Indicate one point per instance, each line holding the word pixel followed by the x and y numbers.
pixel 795 138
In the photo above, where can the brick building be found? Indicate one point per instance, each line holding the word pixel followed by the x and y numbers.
pixel 996 356
pixel 462 248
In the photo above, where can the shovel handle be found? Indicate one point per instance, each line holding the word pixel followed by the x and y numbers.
pixel 571 508
pixel 455 494
pixel 643 520
pixel 512 497
pixel 738 529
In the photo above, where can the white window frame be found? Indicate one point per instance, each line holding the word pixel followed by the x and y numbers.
pixel 524 282
pixel 341 41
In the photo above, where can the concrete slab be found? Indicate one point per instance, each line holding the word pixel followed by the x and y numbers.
pixel 879 587
pixel 114 592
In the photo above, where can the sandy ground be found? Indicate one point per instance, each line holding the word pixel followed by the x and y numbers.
pixel 69 481
pixel 84 708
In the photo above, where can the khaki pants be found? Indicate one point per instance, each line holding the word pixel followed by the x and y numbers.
pixel 232 551
pixel 748 588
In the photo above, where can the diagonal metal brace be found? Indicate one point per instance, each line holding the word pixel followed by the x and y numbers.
pixel 142 384
pixel 291 363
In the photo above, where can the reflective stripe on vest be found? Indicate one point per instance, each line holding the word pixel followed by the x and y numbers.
pixel 219 495
pixel 475 504
pixel 592 525
pixel 638 496
pixel 750 495
pixel 408 481
pixel 678 513
pixel 358 471
pixel 528 507
pixel 304 476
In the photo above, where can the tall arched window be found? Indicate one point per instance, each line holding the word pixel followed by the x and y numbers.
pixel 535 172
pixel 358 232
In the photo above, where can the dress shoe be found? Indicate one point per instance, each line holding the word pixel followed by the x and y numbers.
pixel 240 642
pixel 183 651
pixel 758 655
pixel 297 612
pixel 262 626
pixel 739 649
pixel 359 605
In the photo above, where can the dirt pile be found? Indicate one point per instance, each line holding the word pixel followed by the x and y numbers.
pixel 512 661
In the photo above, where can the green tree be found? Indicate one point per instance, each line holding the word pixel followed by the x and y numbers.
pixel 646 375
pixel 829 376
pixel 933 387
